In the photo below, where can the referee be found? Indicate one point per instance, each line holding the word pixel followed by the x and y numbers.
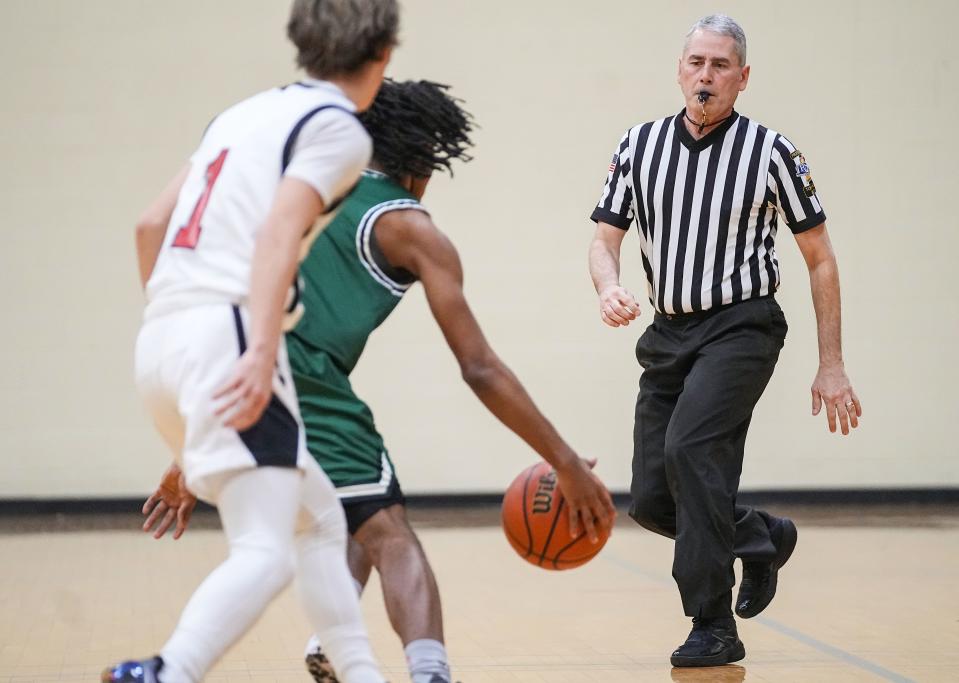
pixel 707 188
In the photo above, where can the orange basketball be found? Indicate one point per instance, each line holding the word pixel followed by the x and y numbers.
pixel 536 522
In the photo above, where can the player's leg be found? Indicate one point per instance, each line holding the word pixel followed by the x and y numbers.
pixel 360 564
pixel 258 508
pixel 409 588
pixel 317 662
pixel 381 537
pixel 325 586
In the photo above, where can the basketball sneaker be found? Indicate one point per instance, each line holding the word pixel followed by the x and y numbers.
pixel 317 664
pixel 712 642
pixel 133 672
pixel 758 585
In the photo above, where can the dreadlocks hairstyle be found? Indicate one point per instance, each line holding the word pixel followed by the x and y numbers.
pixel 417 128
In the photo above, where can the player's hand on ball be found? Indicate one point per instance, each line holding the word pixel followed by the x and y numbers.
pixel 246 394
pixel 589 502
pixel 617 306
pixel 171 502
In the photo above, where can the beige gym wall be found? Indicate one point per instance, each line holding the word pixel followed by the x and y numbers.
pixel 104 99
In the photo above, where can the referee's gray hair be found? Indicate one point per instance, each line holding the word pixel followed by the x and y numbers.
pixel 337 37
pixel 725 26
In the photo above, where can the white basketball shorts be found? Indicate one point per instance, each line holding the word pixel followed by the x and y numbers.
pixel 182 359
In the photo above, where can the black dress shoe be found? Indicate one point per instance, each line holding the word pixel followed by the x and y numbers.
pixel 712 642
pixel 758 586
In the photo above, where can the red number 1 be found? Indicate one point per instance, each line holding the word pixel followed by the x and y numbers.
pixel 189 234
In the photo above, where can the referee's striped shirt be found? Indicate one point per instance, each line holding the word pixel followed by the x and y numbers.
pixel 707 209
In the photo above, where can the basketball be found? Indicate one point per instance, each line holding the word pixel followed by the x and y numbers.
pixel 536 522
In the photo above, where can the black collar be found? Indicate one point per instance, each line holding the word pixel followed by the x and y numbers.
pixel 717 133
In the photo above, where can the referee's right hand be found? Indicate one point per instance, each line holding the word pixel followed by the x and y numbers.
pixel 617 306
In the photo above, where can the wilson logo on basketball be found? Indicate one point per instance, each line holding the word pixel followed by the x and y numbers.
pixel 536 521
pixel 543 498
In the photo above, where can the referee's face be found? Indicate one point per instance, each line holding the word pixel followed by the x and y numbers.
pixel 710 63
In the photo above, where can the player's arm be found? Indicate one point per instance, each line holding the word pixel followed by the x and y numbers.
pixel 171 502
pixel 153 222
pixel 616 305
pixel 411 241
pixel 831 385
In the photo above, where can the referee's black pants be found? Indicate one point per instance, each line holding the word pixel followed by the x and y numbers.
pixel 703 374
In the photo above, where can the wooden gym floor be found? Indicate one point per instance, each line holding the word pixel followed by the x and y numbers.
pixel 870 595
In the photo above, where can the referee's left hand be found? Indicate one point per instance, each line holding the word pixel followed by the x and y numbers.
pixel 833 389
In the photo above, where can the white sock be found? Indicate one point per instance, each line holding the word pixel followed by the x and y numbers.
pixel 426 659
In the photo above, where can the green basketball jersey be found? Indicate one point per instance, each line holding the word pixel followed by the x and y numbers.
pixel 349 287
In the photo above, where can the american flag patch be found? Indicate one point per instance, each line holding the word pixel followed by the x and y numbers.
pixel 612 164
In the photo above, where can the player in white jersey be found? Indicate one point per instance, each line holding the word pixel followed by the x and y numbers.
pixel 218 250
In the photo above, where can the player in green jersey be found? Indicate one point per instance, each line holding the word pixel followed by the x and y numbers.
pixel 381 242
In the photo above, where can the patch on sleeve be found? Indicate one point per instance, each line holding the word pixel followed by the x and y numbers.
pixel 802 172
pixel 612 164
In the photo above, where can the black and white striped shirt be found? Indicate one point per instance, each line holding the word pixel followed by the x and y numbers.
pixel 707 209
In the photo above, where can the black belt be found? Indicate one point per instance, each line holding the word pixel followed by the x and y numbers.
pixel 701 315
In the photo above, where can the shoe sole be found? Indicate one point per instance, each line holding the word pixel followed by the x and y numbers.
pixel 320 669
pixel 736 653
pixel 790 537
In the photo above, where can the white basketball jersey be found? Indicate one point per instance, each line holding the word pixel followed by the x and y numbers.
pixel 305 130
